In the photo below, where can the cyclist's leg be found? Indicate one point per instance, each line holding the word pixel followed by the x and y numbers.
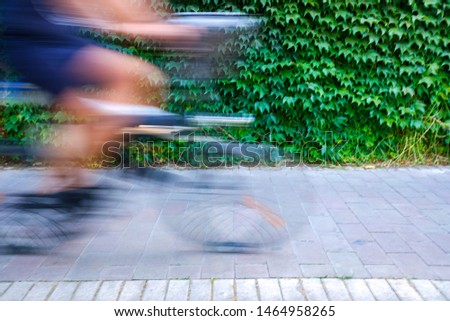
pixel 120 78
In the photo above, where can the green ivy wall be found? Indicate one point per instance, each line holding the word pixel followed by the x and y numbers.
pixel 346 80
pixel 332 81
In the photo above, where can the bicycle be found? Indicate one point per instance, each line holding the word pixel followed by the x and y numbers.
pixel 235 222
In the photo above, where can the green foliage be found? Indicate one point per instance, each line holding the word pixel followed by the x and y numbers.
pixel 30 122
pixel 344 81
pixel 330 81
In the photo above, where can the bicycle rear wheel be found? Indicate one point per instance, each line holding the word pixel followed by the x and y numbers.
pixel 229 222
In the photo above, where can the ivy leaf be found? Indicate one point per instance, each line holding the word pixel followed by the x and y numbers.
pixel 293 17
pixel 429 81
pixel 290 101
pixel 433 69
pixel 396 32
pixel 408 91
pixel 262 106
pixel 362 30
pixel 323 46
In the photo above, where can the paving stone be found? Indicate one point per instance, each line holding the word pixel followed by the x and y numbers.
pixel 20 268
pixel 427 225
pixel 17 291
pixel 444 288
pixel 111 273
pixel 314 209
pixel 63 291
pixel 200 290
pixel 323 224
pixel 378 203
pixel 410 233
pixel 404 290
pixel 246 290
pixel 427 290
pixel 381 290
pixel 441 239
pixel 3 287
pixel 392 243
pixel 359 207
pixel 177 290
pixel 334 242
pixel 406 209
pixel 217 268
pixel 355 233
pixel 412 265
pixel 430 253
pixel 318 271
pixel 152 271
pixel 336 290
pixel 40 291
pixel 351 197
pixel 375 223
pixel 359 290
pixel 132 291
pixel 251 271
pixel 109 291
pixel 314 290
pixel 441 272
pixel 81 272
pixel 343 216
pixel 269 290
pixel 86 291
pixel 184 271
pixel 292 290
pixel 223 290
pixel 384 271
pixel 310 253
pixel 155 290
pixel 288 268
pixel 370 253
pixel 348 265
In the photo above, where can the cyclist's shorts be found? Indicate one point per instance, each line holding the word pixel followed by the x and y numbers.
pixel 39 50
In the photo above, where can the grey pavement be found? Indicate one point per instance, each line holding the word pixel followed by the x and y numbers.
pixel 350 234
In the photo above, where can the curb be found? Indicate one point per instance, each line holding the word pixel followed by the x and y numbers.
pixel 264 289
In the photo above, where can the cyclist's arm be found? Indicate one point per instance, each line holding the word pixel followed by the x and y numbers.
pixel 123 17
pixel 111 10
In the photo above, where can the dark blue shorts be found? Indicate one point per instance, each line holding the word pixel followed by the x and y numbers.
pixel 39 50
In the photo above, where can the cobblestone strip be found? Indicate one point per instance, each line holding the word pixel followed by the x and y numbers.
pixel 292 290
pixel 223 290
pixel 336 290
pixel 269 290
pixel 178 290
pixel 264 289
pixel 381 290
pixel 109 291
pixel 359 290
pixel 3 287
pixel 40 291
pixel 314 290
pixel 63 291
pixel 155 290
pixel 17 291
pixel 132 291
pixel 404 290
pixel 427 290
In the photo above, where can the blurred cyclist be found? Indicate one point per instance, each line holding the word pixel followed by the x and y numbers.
pixel 51 57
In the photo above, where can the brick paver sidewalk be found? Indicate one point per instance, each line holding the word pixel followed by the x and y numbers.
pixel 351 234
